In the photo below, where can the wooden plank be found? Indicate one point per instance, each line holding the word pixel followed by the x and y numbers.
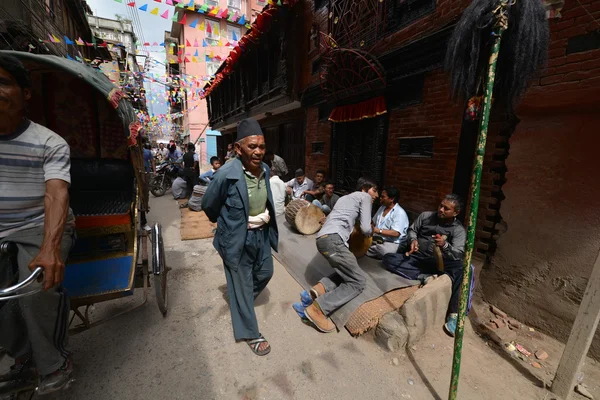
pixel 581 337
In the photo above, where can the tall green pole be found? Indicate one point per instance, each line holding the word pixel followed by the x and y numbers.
pixel 475 189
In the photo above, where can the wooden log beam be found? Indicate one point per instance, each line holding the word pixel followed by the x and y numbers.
pixel 581 337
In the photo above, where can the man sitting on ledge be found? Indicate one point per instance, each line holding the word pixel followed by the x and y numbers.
pixel 433 233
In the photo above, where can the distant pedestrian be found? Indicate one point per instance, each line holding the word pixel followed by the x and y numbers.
pixel 298 186
pixel 240 201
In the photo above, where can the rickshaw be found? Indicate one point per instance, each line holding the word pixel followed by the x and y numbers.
pixel 108 191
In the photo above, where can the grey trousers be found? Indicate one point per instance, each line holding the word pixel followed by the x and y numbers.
pixel 348 281
pixel 379 250
pixel 246 281
pixel 36 324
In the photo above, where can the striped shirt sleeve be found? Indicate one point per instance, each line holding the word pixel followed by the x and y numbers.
pixel 57 160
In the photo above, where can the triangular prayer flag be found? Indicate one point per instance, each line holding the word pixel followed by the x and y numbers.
pixel 183 20
pixel 194 59
pixel 144 7
pixel 132 4
pixel 195 42
pixel 193 24
pixel 214 11
pixel 224 12
pixel 68 41
pixel 70 58
pixel 80 42
pixel 55 39
pixel 119 1
pixel 208 28
pixel 230 17
pixel 211 55
pixel 154 12
pixel 216 31
pixel 220 43
pixel 162 44
pixel 169 2
pixel 242 20
pixel 204 8
pixel 204 43
pixel 172 44
pixel 175 17
pixel 146 44
pixel 155 44
pixel 227 44
pixel 181 5
pixel 187 43
pixel 186 60
pixel 196 53
pixel 165 15
pixel 248 25
pixel 234 36
pixel 201 27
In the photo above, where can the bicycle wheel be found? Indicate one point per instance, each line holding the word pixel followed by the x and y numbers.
pixel 159 269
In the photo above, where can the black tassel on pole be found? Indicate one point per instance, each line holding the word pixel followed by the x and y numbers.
pixel 523 51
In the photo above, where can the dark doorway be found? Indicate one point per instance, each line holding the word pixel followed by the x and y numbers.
pixel 358 149
pixel 287 141
pixel 464 162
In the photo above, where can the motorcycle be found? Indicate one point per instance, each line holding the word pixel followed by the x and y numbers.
pixel 166 173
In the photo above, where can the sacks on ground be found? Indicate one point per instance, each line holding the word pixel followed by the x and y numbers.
pixel 195 202
pixel 179 189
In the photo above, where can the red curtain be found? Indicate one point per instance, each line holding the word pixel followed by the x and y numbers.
pixel 354 112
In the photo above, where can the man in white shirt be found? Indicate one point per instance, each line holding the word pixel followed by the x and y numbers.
pixel 390 224
pixel 163 152
pixel 297 186
pixel 278 189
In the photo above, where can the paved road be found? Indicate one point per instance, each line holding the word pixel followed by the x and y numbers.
pixel 191 354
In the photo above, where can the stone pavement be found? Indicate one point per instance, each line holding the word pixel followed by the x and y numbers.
pixel 191 354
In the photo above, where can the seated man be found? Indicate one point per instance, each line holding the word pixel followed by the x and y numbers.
pixel 328 200
pixel 300 184
pixel 278 165
pixel 348 281
pixel 429 231
pixel 390 225
pixel 207 176
pixel 318 187
pixel 34 215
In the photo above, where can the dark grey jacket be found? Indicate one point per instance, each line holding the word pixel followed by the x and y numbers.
pixel 226 203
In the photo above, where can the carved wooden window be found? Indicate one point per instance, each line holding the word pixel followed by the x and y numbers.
pixel 318 147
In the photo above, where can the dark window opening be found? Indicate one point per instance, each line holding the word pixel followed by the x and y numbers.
pixel 416 146
pixel 325 112
pixel 401 13
pixel 318 147
pixel 405 92
pixel 581 43
pixel 320 4
pixel 316 66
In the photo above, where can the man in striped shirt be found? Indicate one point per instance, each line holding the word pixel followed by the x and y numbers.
pixel 34 215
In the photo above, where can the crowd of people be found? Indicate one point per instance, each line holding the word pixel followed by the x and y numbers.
pixel 246 196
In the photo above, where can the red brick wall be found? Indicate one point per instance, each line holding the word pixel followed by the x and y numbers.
pixel 570 83
pixel 317 131
pixel 424 181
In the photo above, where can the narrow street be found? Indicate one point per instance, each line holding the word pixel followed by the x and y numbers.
pixel 190 354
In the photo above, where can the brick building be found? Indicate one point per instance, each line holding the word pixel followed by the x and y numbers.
pixel 25 24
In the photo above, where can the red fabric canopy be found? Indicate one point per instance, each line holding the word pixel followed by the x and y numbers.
pixel 354 112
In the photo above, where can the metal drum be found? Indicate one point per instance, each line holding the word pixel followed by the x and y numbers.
pixel 359 244
pixel 304 216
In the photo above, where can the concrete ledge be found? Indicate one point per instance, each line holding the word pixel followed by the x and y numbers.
pixel 391 332
pixel 427 308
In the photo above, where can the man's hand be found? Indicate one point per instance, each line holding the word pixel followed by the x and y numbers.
pixel 414 246
pixel 289 190
pixel 54 267
pixel 440 240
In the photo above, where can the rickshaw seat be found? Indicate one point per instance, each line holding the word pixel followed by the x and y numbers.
pixel 102 191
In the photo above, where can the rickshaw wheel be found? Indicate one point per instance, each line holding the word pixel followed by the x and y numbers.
pixel 159 269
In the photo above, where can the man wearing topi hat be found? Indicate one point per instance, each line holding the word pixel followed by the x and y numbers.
pixel 240 201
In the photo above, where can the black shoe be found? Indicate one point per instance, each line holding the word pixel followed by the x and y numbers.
pixel 23 371
pixel 58 380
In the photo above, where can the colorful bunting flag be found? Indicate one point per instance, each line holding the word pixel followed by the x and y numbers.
pixel 144 7
pixel 183 20
pixel 201 27
pixel 216 31
pixel 194 59
pixel 154 12
pixel 214 11
pixel 165 15
pixel 234 36
pixel 186 60
pixel 195 42
pixel 193 24
pixel 132 4
pixel 80 42
pixel 187 43
pixel 204 43
pixel 68 41
pixel 175 17
pixel 169 2
pixel 242 20
pixel 208 28
pixel 196 53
